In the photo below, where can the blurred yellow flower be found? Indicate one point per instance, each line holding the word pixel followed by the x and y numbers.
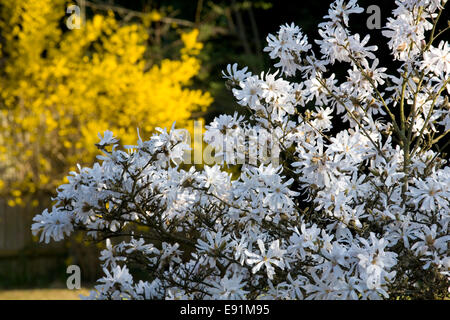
pixel 59 89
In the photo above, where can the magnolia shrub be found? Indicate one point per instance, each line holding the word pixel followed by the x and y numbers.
pixel 361 212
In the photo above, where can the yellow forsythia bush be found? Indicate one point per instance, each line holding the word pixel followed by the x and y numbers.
pixel 58 89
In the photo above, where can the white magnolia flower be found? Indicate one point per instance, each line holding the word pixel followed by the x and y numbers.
pixel 430 194
pixel 273 256
pixel 287 46
pixel 107 138
pixel 375 261
pixel 229 288
pixel 429 241
pixel 53 225
pixel 250 92
pixel 437 60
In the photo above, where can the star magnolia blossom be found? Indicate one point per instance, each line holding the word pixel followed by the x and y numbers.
pixel 362 213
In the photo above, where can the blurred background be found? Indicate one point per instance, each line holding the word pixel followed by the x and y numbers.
pixel 123 65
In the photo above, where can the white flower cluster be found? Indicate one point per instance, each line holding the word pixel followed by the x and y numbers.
pixel 358 210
